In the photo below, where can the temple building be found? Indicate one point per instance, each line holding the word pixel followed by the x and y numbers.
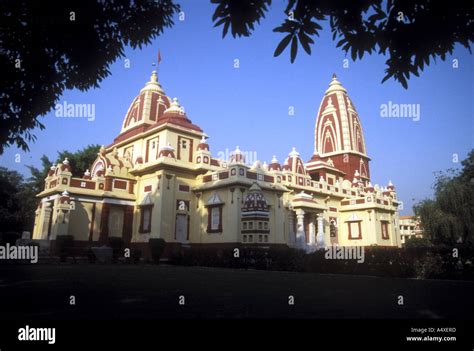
pixel 159 179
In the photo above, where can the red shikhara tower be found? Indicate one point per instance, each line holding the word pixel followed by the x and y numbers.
pixel 339 145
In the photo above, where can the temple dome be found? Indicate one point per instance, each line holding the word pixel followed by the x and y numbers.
pixel 295 164
pixel 255 200
pixel 338 127
pixel 148 106
pixel 175 114
pixel 338 133
pixel 153 107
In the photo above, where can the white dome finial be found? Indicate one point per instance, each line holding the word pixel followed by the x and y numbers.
pixel 66 161
pixel 154 77
pixel 294 152
pixel 335 85
pixel 175 106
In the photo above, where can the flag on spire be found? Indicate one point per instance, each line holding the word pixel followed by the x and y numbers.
pixel 159 56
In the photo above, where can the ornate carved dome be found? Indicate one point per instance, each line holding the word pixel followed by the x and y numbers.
pixel 148 106
pixel 175 114
pixel 274 165
pixel 295 163
pixel 339 135
pixel 255 201
pixel 152 107
pixel 338 128
pixel 203 145
pixel 237 156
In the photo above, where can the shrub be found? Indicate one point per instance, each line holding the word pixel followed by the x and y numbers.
pixel 287 259
pixel 157 247
pixel 116 244
pixel 430 266
pixel 64 245
pixel 90 256
pixel 136 255
pixel 417 242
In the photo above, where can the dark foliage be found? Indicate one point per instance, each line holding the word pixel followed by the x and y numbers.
pixel 448 218
pixel 64 246
pixel 410 33
pixel 9 238
pixel 46 47
pixel 116 244
pixel 420 262
pixel 157 247
pixel 11 218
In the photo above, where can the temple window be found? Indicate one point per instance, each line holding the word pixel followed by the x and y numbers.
pixel 355 230
pixel 145 219
pixel 385 230
pixel 214 221
pixel 214 214
pixel 332 229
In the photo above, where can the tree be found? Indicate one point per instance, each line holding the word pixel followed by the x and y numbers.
pixel 410 32
pixel 46 47
pixel 79 161
pixel 19 202
pixel 10 206
pixel 449 217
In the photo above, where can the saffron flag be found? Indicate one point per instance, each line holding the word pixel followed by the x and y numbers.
pixel 159 56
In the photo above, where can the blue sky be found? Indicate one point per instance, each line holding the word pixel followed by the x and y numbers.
pixel 248 106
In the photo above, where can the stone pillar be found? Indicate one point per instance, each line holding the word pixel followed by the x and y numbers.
pixel 291 224
pixel 320 236
pixel 45 218
pixel 312 238
pixel 300 234
pixel 104 223
pixel 55 220
pixel 63 222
